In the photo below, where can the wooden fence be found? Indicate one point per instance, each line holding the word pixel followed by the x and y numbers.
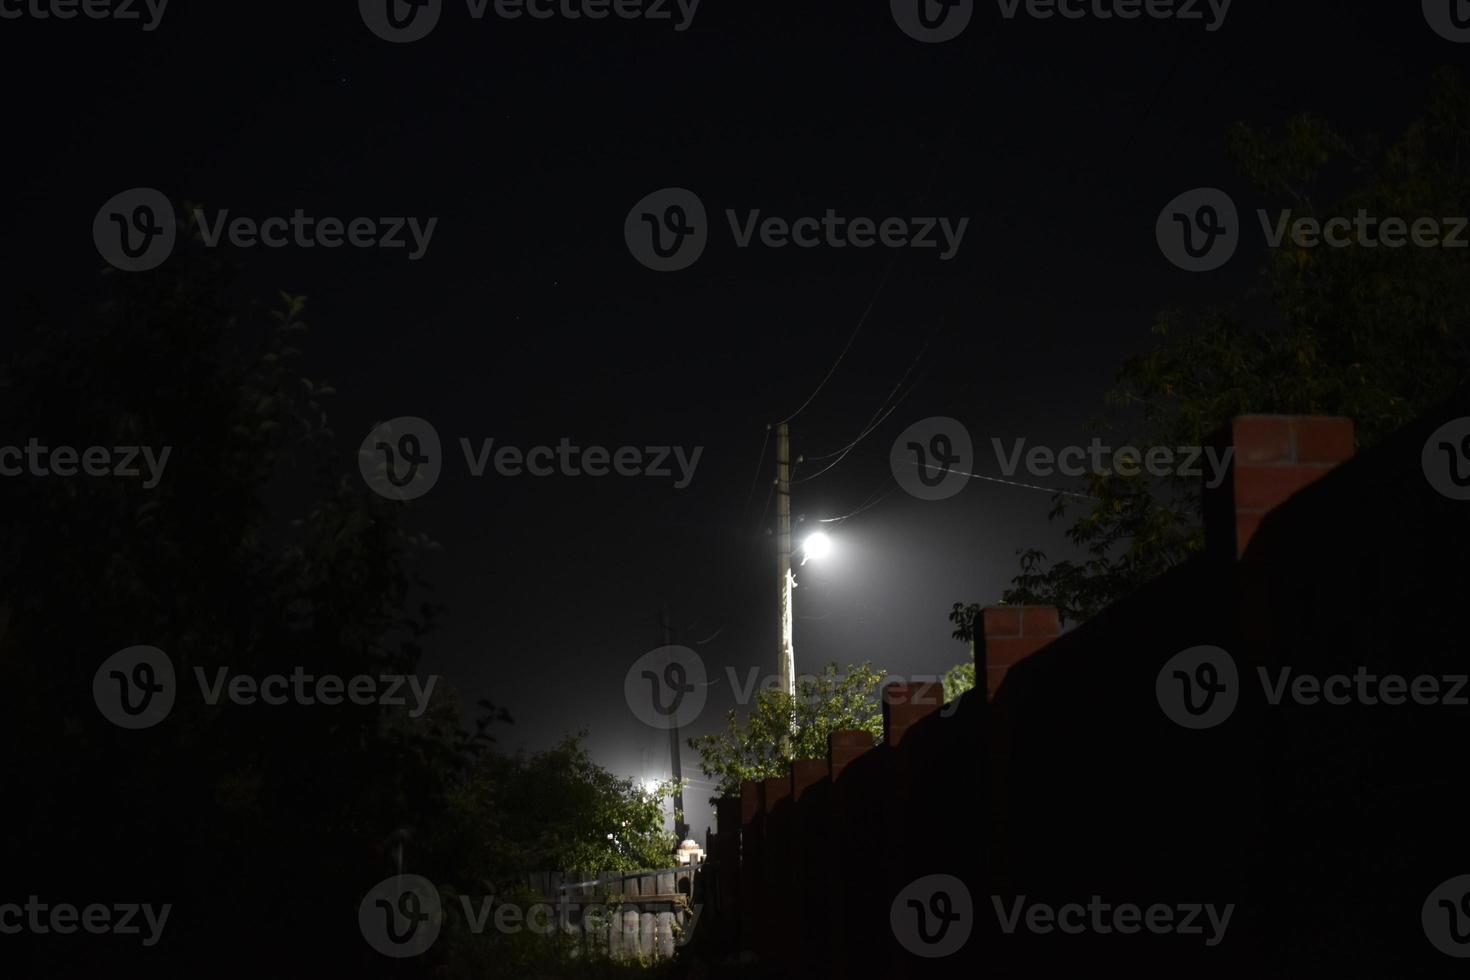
pixel 640 915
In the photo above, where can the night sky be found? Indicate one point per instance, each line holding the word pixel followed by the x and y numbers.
pixel 527 319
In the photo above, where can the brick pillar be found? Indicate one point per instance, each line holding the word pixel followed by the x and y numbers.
pixel 843 747
pixel 1007 635
pixel 1274 457
pixel 806 773
pixel 908 811
pixel 904 704
pixel 811 791
pixel 775 869
pixel 752 828
pixel 727 872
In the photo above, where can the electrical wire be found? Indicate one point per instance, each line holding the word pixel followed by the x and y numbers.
pixel 848 346
pixel 880 416
pixel 755 477
pixel 867 504
pixel 1013 483
pixel 877 419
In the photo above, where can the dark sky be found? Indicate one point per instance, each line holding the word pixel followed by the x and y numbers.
pixel 527 320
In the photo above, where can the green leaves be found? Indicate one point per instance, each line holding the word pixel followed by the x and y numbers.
pixel 1376 334
pixel 556 810
pixel 779 728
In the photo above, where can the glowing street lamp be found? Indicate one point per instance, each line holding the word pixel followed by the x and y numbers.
pixel 817 545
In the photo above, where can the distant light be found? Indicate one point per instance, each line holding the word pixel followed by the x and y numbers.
pixel 817 545
pixel 650 786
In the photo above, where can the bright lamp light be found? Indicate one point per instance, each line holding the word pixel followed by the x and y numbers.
pixel 817 545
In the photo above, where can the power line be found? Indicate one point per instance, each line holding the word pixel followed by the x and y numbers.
pixel 867 504
pixel 755 477
pixel 878 417
pixel 874 421
pixel 1011 483
pixel 848 346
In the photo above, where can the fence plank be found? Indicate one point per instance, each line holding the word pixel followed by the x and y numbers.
pixel 630 934
pixel 647 938
pixel 664 931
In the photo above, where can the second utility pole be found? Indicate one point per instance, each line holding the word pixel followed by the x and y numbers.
pixel 787 664
pixel 676 770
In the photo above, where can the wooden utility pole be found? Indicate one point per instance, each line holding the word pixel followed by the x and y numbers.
pixel 676 768
pixel 787 664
